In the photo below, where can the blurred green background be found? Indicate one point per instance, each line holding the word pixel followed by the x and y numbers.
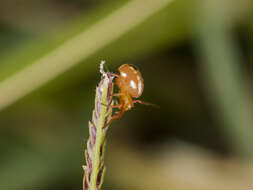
pixel 196 60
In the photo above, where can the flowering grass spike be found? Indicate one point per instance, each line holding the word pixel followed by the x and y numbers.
pixel 94 169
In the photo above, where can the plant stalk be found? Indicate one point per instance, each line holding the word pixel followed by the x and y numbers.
pixel 94 170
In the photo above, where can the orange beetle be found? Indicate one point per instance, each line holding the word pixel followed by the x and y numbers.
pixel 130 84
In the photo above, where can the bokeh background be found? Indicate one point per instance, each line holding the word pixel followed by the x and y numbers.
pixel 196 60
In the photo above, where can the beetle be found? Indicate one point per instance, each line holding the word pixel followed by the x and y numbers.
pixel 131 85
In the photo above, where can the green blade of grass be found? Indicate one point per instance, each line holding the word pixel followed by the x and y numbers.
pixel 77 49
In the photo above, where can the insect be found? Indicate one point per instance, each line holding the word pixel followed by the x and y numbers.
pixel 131 85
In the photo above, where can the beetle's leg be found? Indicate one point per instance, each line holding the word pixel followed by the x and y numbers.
pixel 117 116
pixel 144 103
pixel 113 106
pixel 115 75
pixel 117 106
pixel 106 105
pixel 119 94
